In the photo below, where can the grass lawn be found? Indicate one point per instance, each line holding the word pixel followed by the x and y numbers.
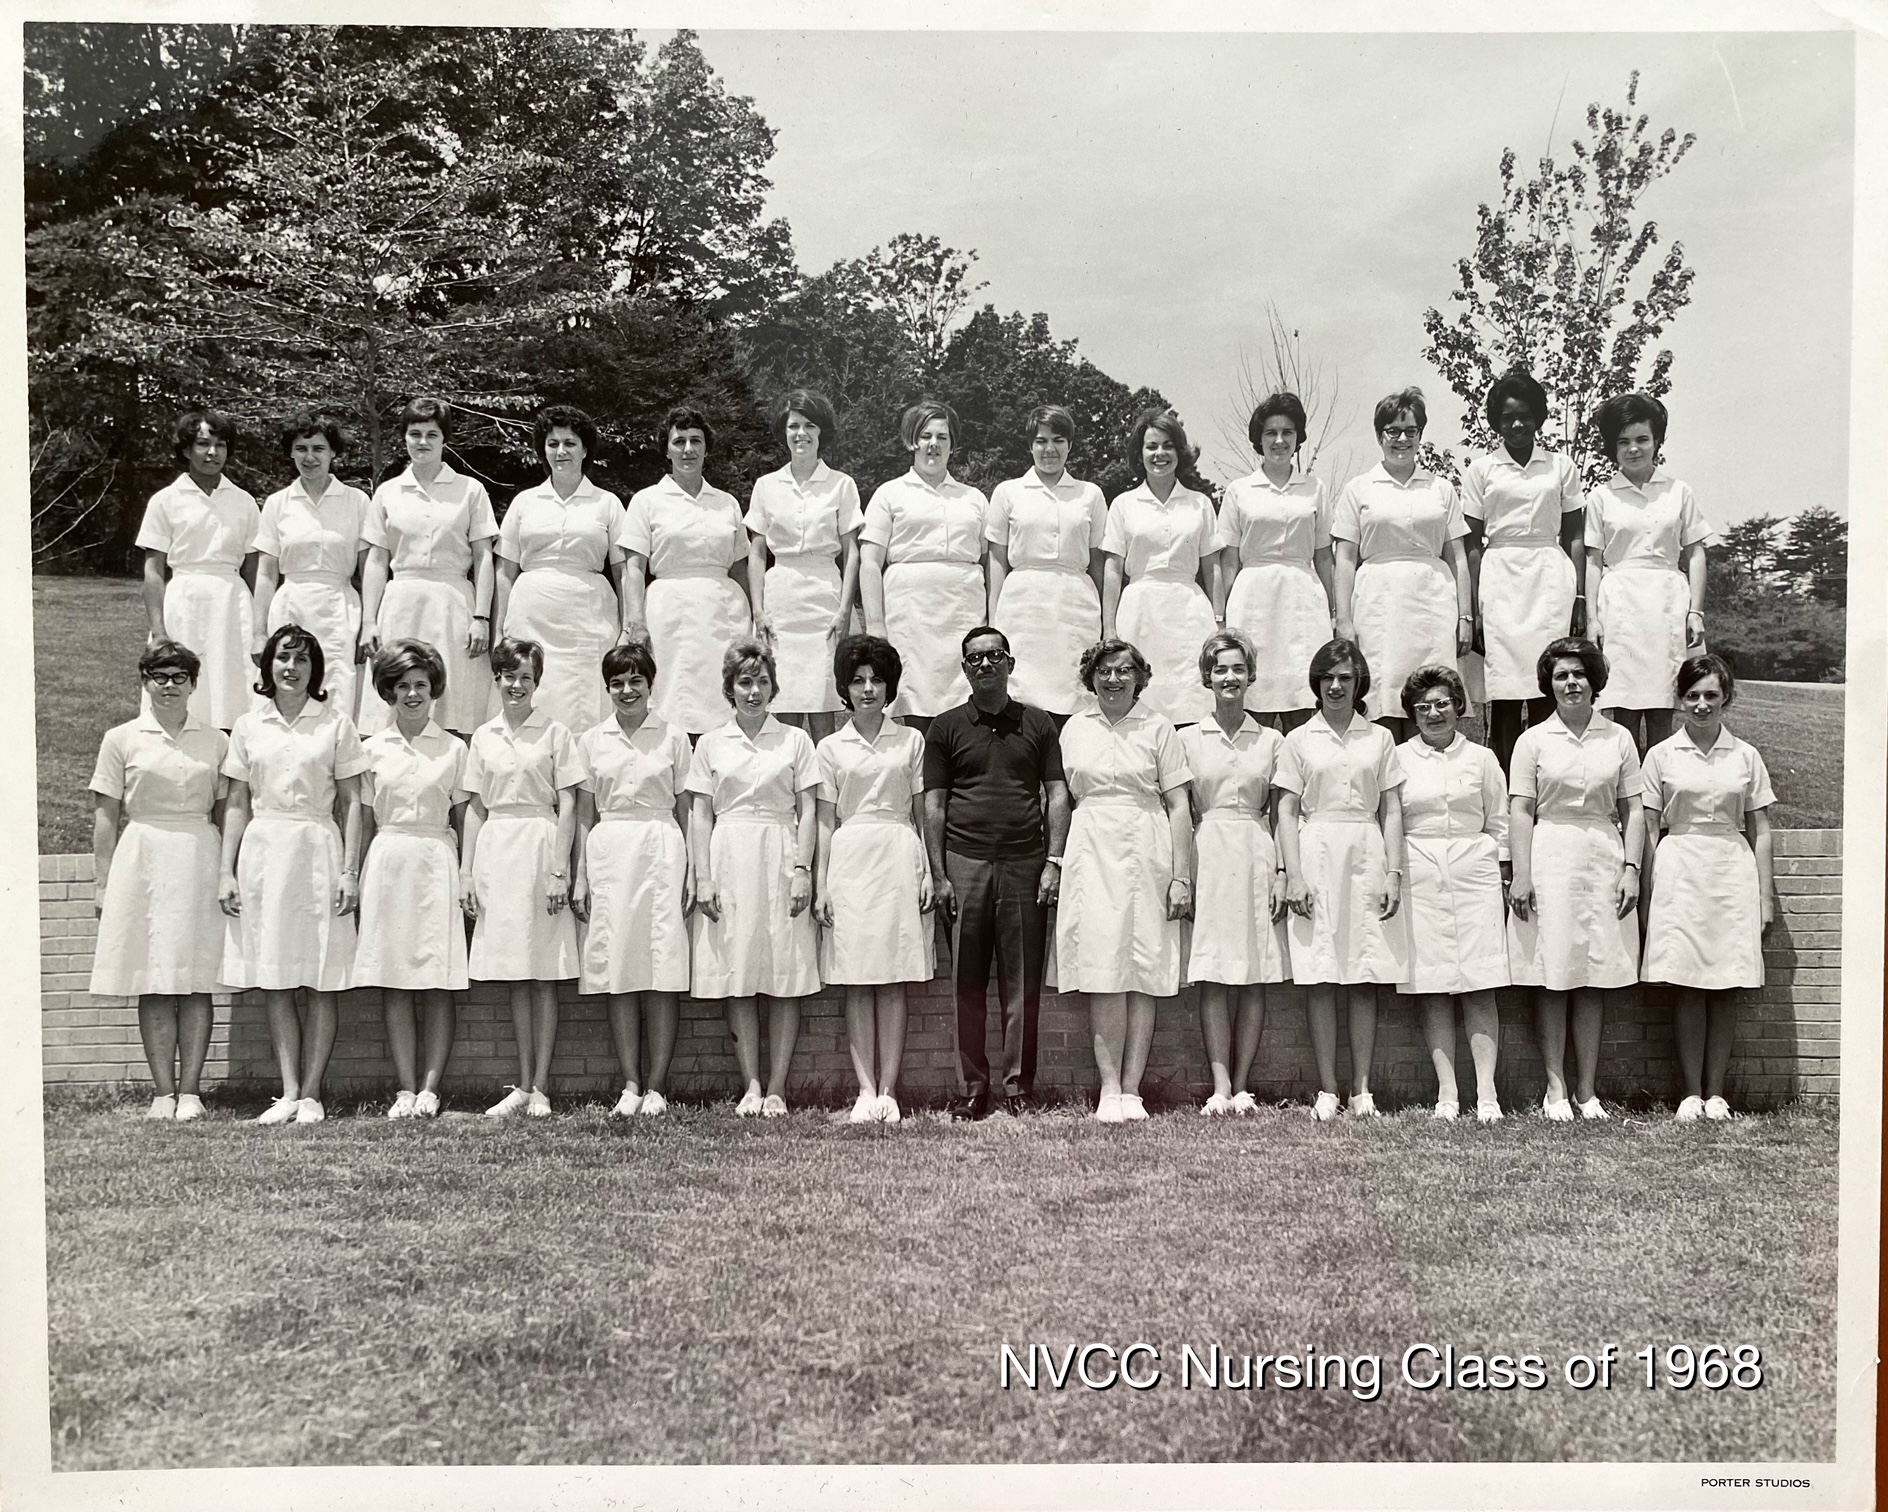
pixel 702 1289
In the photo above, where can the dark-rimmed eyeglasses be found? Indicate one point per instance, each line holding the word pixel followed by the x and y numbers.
pixel 986 658
pixel 167 679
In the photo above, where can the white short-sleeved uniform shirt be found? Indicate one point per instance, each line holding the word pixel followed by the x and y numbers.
pixel 1521 504
pixel 914 522
pixel 157 775
pixel 1042 524
pixel 1137 759
pixel 306 534
pixel 578 534
pixel 1651 525
pixel 1690 789
pixel 1575 778
pixel 508 768
pixel 1232 773
pixel 197 529
pixel 877 776
pixel 676 532
pixel 640 772
pixel 1269 523
pixel 804 519
pixel 430 527
pixel 292 767
pixel 413 783
pixel 1151 536
pixel 1386 518
pixel 759 774
pixel 1339 775
pixel 1454 793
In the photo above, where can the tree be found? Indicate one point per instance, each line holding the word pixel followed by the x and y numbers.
pixel 1560 281
pixel 1815 552
pixel 1284 367
pixel 1749 552
pixel 924 285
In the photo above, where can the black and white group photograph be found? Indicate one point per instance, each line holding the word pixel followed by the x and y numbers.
pixel 969 757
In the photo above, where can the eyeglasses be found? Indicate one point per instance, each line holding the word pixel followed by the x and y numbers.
pixel 167 679
pixel 1436 706
pixel 986 658
pixel 1401 432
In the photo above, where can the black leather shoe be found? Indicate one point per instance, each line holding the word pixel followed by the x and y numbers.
pixel 969 1108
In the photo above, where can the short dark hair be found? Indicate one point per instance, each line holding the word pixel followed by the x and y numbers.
pixel 1339 653
pixel 1227 638
pixel 636 656
pixel 513 652
pixel 911 424
pixel 857 651
pixel 1168 424
pixel 744 655
pixel 169 653
pixel 1694 669
pixel 1113 645
pixel 687 417
pixel 1392 405
pixel 815 406
pixel 422 410
pixel 294 638
pixel 1592 661
pixel 1516 383
pixel 183 433
pixel 1629 409
pixel 1423 679
pixel 564 417
pixel 963 646
pixel 311 423
pixel 397 658
pixel 1285 403
pixel 1053 418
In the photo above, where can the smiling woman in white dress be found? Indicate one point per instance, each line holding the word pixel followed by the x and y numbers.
pixel 1709 891
pixel 1646 540
pixel 308 551
pixel 1046 565
pixel 1160 542
pixel 290 874
pixel 199 538
pixel 1274 538
pixel 921 576
pixel 160 937
pixel 554 546
pixel 807 517
pixel 431 528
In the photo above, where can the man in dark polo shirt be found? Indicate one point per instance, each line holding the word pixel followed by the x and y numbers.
pixel 989 765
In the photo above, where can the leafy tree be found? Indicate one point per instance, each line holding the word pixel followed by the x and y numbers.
pixel 1815 552
pixel 1748 555
pixel 924 285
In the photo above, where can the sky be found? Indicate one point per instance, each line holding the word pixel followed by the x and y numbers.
pixel 1153 192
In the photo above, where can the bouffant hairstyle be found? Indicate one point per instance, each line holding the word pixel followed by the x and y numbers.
pixel 747 655
pixel 1098 653
pixel 425 411
pixel 1629 409
pixel 1579 649
pixel 183 434
pixel 1228 639
pixel 1516 383
pixel 1392 405
pixel 911 424
pixel 815 406
pixel 635 657
pixel 1424 680
pixel 311 423
pixel 397 658
pixel 169 655
pixel 294 638
pixel 1283 403
pixel 1050 417
pixel 1694 669
pixel 513 652
pixel 1169 425
pixel 564 417
pixel 687 417
pixel 857 651
pixel 1340 653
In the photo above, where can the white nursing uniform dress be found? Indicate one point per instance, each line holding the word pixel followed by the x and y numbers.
pixel 412 929
pixel 1234 938
pixel 757 945
pixel 317 545
pixel 427 530
pixel 207 606
pixel 1049 607
pixel 804 525
pixel 1163 609
pixel 1527 581
pixel 877 861
pixel 635 858
pixel 159 929
pixel 1112 933
pixel 692 607
pixel 1403 604
pixel 518 775
pixel 561 599
pixel 1277 597
pixel 1640 536
pixel 1704 927
pixel 1573 936
pixel 1340 780
pixel 289 867
pixel 934 584
pixel 1455 837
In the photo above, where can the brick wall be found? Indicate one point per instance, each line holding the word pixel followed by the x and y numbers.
pixel 1788 1043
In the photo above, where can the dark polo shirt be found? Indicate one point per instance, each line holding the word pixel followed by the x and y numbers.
pixel 993 767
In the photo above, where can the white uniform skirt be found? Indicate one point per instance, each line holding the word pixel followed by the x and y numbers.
pixel 1527 601
pixel 692 618
pixel 412 928
pixel 1234 939
pixel 209 610
pixel 755 946
pixel 1344 940
pixel 572 615
pixel 160 930
pixel 1405 614
pixel 288 934
pixel 802 597
pixel 325 604
pixel 1169 618
pixel 1112 933
pixel 1642 617
pixel 637 938
pixel 928 608
pixel 1051 616
pixel 1457 919
pixel 1573 936
pixel 1704 927
pixel 878 935
pixel 1280 604
pixel 516 938
pixel 438 611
